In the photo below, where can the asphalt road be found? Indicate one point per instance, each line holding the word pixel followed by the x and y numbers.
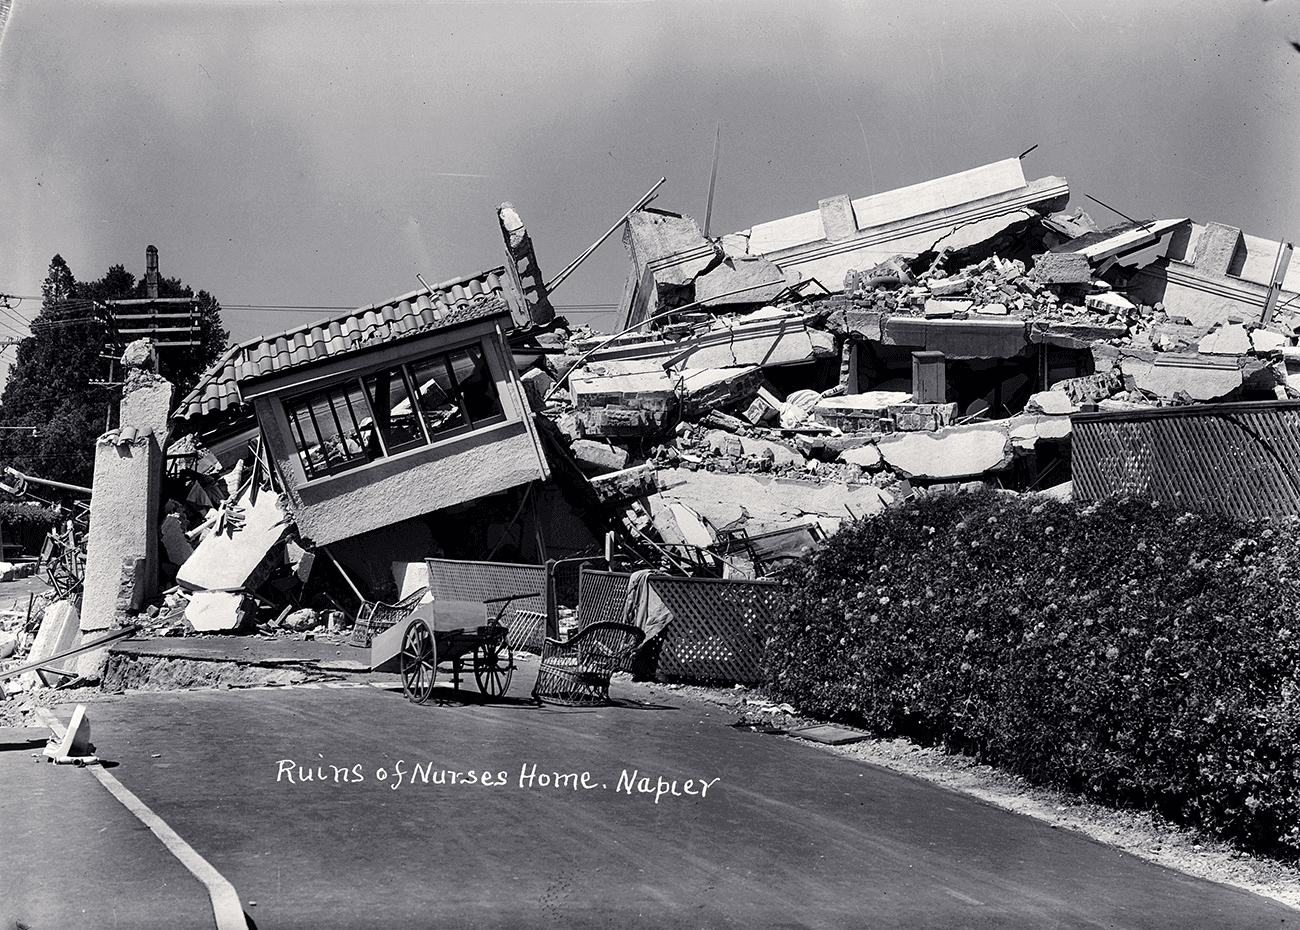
pixel 680 821
pixel 72 856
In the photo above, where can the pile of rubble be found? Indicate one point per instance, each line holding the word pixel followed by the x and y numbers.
pixel 933 368
pixel 760 388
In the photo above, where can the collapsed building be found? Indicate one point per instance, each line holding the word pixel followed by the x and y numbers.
pixel 759 388
pixel 932 336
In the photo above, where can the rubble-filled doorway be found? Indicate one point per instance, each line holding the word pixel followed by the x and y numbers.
pixel 996 387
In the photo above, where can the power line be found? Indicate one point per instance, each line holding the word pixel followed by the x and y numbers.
pixel 282 307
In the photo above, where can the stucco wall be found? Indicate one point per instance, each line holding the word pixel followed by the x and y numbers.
pixel 386 492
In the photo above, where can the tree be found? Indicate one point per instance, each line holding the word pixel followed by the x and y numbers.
pixel 50 385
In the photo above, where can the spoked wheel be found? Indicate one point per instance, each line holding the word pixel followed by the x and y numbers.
pixel 494 662
pixel 419 662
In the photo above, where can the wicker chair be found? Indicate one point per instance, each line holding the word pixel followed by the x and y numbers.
pixel 376 616
pixel 577 672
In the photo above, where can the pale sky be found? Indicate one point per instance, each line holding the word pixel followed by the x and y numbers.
pixel 321 154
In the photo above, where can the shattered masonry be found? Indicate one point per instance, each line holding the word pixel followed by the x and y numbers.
pixel 759 388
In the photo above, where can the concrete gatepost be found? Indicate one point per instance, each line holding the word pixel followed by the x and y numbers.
pixel 122 547
pixel 146 402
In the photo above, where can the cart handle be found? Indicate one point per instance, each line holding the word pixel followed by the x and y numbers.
pixel 510 597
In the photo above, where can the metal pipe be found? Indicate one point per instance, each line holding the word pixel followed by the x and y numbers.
pixel 569 269
pixel 28 479
pixel 582 358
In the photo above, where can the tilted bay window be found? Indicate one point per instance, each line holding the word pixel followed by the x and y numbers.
pixel 389 411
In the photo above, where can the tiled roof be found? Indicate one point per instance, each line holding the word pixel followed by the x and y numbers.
pixel 456 302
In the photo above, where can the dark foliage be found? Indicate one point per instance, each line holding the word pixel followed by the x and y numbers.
pixel 1143 657
pixel 50 385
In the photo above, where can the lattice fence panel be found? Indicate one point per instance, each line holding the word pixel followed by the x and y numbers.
pixel 1240 460
pixel 480 581
pixel 718 628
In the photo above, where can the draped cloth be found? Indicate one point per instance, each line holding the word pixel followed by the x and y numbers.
pixel 644 608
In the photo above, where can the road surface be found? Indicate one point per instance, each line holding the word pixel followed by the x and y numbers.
pixel 351 808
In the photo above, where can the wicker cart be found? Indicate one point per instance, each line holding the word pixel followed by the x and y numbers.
pixel 454 633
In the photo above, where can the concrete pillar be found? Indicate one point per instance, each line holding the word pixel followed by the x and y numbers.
pixel 837 218
pixel 521 265
pixel 146 402
pixel 1216 248
pixel 122 547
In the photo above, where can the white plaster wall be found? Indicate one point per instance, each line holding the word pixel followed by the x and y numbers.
pixel 397 489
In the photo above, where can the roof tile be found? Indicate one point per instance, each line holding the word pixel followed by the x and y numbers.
pixel 456 302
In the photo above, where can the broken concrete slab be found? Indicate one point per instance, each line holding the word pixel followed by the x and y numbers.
pixel 1194 375
pixel 1231 339
pixel 1027 430
pixel 638 481
pixel 217 611
pixel 678 524
pixel 1062 268
pixel 624 405
pixel 596 458
pixel 759 502
pixel 1264 341
pixel 863 323
pixel 863 456
pixel 174 541
pixel 670 246
pixel 237 554
pixel 717 286
pixel 955 452
pixel 1055 402
pixel 706 388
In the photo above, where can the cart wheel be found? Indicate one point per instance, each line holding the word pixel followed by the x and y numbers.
pixel 494 662
pixel 419 662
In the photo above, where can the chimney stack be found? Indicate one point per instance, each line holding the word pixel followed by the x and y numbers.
pixel 151 273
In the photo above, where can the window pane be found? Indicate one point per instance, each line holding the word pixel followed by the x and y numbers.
pixel 394 414
pixel 437 398
pixel 475 382
pixel 306 441
pixel 335 428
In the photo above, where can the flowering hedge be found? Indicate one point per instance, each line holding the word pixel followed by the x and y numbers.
pixel 1135 654
pixel 25 515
